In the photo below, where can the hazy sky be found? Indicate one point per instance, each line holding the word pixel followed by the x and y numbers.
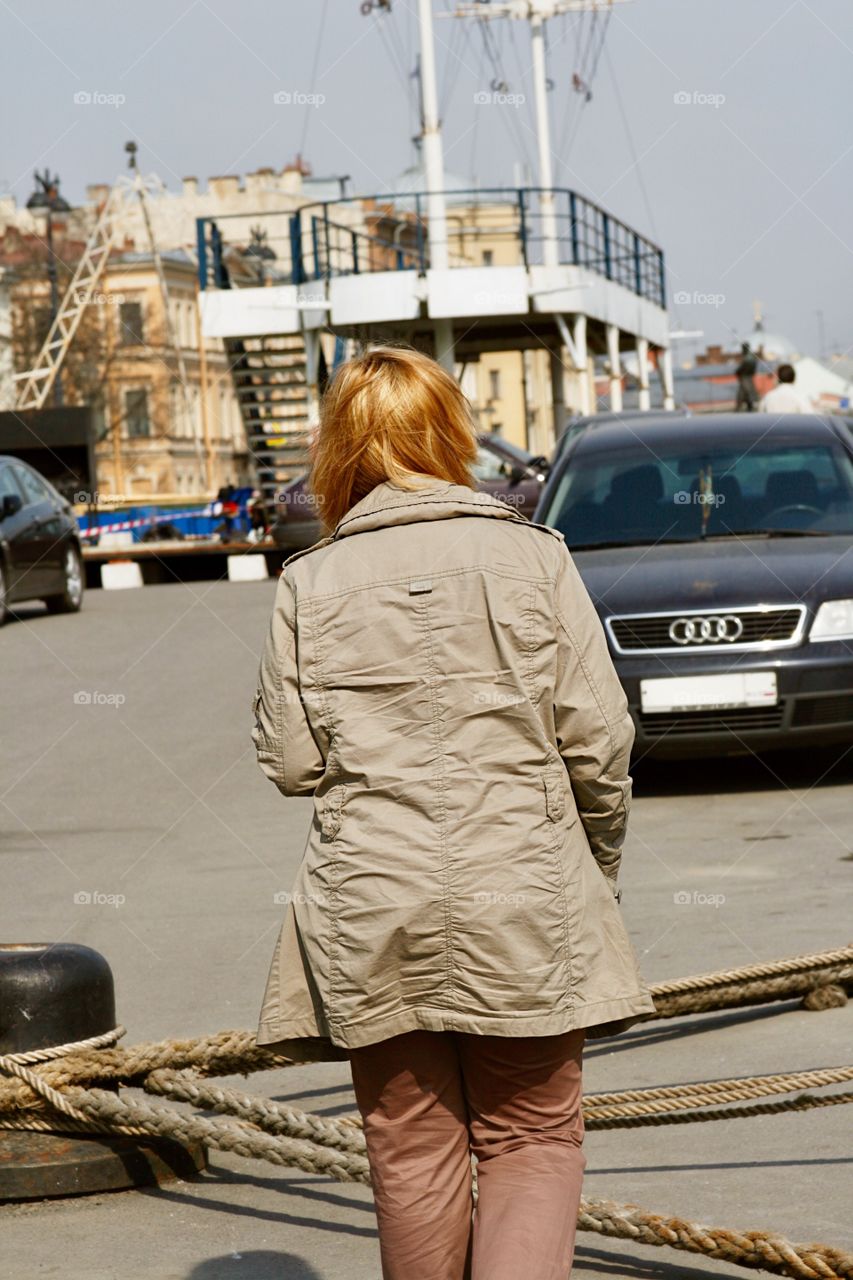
pixel 747 185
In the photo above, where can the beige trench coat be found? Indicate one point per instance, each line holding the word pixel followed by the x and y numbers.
pixel 436 676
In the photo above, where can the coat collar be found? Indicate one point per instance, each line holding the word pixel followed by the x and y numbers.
pixel 435 499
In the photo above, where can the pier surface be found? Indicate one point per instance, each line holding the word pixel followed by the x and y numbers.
pixel 128 776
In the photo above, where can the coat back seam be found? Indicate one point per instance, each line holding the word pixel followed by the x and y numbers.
pixel 440 778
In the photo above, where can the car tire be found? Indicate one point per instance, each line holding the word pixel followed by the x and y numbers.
pixel 4 612
pixel 70 600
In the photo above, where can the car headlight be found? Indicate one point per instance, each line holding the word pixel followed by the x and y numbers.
pixel 833 621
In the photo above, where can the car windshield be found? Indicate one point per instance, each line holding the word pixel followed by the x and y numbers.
pixel 688 490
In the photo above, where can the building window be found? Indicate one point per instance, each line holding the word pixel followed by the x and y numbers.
pixel 488 257
pixel 494 384
pixel 130 324
pixel 136 413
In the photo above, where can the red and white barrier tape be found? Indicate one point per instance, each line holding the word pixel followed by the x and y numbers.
pixel 166 518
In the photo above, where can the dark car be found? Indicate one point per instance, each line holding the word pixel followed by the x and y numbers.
pixel 510 474
pixel 502 469
pixel 40 556
pixel 719 553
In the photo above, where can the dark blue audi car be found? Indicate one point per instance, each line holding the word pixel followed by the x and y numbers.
pixel 719 553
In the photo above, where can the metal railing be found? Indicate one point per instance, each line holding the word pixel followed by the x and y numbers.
pixel 494 226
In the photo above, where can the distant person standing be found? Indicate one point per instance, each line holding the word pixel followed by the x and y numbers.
pixel 747 396
pixel 784 398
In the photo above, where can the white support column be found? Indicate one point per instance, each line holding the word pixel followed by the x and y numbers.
pixel 665 368
pixel 615 368
pixel 582 364
pixel 311 339
pixel 550 255
pixel 645 401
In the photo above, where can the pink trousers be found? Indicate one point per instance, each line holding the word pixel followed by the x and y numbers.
pixel 429 1100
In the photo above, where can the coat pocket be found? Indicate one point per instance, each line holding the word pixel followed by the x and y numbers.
pixel 330 814
pixel 555 794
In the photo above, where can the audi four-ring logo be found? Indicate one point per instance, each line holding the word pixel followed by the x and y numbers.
pixel 725 628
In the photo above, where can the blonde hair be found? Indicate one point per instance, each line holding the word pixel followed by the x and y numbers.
pixel 391 414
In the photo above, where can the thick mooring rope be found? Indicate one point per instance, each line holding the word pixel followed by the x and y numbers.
pixel 44 1091
pixel 759 1250
pixel 238 1053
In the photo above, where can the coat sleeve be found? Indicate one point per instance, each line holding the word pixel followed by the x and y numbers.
pixel 287 750
pixel 595 731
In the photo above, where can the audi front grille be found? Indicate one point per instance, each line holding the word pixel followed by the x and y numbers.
pixel 754 627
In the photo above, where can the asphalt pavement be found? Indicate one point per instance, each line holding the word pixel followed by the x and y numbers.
pixel 134 819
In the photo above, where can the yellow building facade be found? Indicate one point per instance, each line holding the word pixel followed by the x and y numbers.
pixel 171 423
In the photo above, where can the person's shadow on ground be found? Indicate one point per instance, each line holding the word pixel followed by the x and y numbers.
pixel 254 1264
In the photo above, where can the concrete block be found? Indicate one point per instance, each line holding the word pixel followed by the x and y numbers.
pixel 250 568
pixel 117 575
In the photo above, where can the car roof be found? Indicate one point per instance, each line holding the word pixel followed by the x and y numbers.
pixel 657 430
pixel 622 415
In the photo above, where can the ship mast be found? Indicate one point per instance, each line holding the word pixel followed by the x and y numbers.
pixel 536 12
pixel 434 173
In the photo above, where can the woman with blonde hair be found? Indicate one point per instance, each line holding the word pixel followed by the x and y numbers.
pixel 436 676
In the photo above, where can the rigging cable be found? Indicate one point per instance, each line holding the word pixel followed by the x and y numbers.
pixel 309 106
pixel 500 84
pixel 649 211
pixel 566 146
pixel 394 59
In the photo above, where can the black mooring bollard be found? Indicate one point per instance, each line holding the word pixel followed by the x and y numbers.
pixel 55 995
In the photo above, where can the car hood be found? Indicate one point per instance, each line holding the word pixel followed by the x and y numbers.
pixel 699 575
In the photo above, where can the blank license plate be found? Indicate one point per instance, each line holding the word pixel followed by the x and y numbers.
pixel 709 693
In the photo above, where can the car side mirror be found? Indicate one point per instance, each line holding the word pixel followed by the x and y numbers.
pixel 12 503
pixel 517 474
